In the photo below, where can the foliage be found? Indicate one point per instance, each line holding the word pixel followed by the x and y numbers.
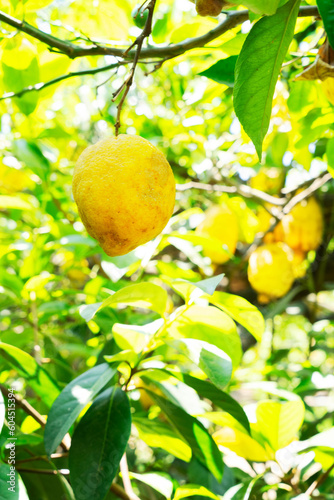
pixel 166 353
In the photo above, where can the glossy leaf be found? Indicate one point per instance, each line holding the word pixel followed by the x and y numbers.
pixel 19 491
pixel 258 67
pixel 158 481
pixel 189 490
pixel 210 325
pixel 143 295
pixel 27 367
pixel 211 360
pixel 241 311
pixel 326 9
pixel 279 422
pixel 159 435
pixel 71 401
pixel 193 431
pixel 102 435
pixel 219 398
pixel 222 71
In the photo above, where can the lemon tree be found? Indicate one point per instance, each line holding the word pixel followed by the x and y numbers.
pixel 166 253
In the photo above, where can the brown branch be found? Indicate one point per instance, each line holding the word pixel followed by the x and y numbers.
pixel 72 50
pixel 115 488
pixel 239 189
pixel 321 479
pixel 126 479
pixel 306 193
pixel 125 87
pixel 30 410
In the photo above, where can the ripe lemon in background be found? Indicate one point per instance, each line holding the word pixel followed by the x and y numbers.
pixel 302 228
pixel 270 271
pixel 328 88
pixel 125 191
pixel 220 224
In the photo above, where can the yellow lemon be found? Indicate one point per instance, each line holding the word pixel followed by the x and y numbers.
pixel 328 88
pixel 220 224
pixel 125 191
pixel 270 271
pixel 302 228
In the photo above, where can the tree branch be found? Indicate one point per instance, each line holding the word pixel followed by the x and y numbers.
pixel 30 410
pixel 72 50
pixel 115 488
pixel 322 478
pixel 125 87
pixel 242 189
pixel 43 85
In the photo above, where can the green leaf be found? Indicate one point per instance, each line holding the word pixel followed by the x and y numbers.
pixel 330 155
pixel 158 481
pixel 72 400
pixel 20 70
pixel 30 154
pixel 211 325
pixel 216 396
pixel 27 367
pixel 187 288
pixel 2 411
pixel 159 435
pixel 135 337
pixel 193 431
pixel 98 444
pixel 241 311
pixel 14 202
pixel 257 70
pixel 143 295
pixel 18 492
pixel 211 360
pixel 326 9
pixel 189 490
pixel 279 422
pixel 222 71
pixel 261 7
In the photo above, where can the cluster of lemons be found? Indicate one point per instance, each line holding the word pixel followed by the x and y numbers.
pixel 282 258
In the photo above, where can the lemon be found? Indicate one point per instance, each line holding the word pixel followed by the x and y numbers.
pixel 209 7
pixel 125 191
pixel 302 228
pixel 220 224
pixel 328 88
pixel 270 271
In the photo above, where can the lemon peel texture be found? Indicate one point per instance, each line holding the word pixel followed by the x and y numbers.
pixel 125 191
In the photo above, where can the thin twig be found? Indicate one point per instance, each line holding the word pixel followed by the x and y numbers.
pixel 30 410
pixel 43 85
pixel 240 189
pixel 72 50
pixel 321 479
pixel 125 87
pixel 126 479
pixel 115 488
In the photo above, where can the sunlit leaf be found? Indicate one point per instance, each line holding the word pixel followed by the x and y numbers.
pixel 159 435
pixel 72 400
pixel 28 368
pixel 193 431
pixel 211 325
pixel 258 67
pixel 102 435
